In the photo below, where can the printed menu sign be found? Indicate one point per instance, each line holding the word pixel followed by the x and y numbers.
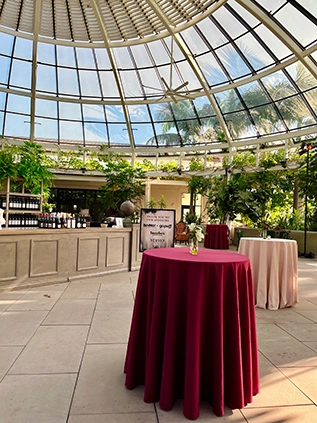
pixel 157 229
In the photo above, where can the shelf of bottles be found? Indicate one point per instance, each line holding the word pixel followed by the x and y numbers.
pixel 61 221
pixel 20 204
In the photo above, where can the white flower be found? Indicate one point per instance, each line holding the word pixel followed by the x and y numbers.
pixel 192 227
pixel 196 232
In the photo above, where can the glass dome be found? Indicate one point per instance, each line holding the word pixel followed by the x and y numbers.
pixel 164 75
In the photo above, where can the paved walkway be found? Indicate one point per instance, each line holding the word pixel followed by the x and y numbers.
pixel 62 349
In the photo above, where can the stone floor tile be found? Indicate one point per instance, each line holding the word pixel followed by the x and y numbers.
pixel 36 300
pixel 115 418
pixel 110 298
pixel 8 355
pixel 302 332
pixel 17 327
pixel 112 326
pixel 53 287
pixel 12 295
pixel 305 379
pixel 284 315
pixel 282 349
pixel 298 414
pixel 100 388
pixel 275 388
pixel 53 349
pixel 5 304
pixel 71 312
pixel 175 415
pixel 81 291
pixel 36 398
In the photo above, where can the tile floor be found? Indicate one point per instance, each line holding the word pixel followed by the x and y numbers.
pixel 62 349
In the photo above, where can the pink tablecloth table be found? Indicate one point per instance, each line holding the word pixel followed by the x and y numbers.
pixel 193 331
pixel 217 237
pixel 274 267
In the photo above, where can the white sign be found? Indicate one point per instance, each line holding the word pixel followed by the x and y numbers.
pixel 157 228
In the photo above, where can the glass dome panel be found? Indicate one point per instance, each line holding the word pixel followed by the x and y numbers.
pixel 4 69
pixel 212 34
pixel 71 131
pixel 280 50
pixel 46 79
pixel 89 84
pixel 230 24
pixel 46 53
pixel 16 125
pixel 3 98
pixel 232 62
pixel 142 133
pixel 70 111
pixel 295 22
pixel 20 74
pixel 66 56
pixel 18 103
pixel 254 53
pixel 139 113
pixel 68 82
pixel 46 129
pixel 6 43
pixel 212 70
pixel 85 58
pixel 118 134
pixel 130 84
pixel 94 112
pixel 115 114
pixel 23 49
pixel 108 85
pixel 141 57
pixel 267 120
pixel 96 132
pixel 45 108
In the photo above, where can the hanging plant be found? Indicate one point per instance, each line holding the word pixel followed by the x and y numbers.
pixel 8 167
pixel 31 169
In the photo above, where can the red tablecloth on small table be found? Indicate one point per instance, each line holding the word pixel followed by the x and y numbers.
pixel 217 237
pixel 193 331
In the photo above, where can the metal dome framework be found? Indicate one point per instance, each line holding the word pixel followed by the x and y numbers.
pixel 91 72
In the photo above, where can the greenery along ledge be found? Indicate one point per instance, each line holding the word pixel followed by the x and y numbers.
pixel 27 162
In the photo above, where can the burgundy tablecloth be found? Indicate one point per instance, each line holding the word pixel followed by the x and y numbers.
pixel 217 237
pixel 193 331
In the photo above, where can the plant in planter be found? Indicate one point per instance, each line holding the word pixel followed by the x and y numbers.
pixel 123 182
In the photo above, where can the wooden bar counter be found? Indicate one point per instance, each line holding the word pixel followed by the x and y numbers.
pixel 41 256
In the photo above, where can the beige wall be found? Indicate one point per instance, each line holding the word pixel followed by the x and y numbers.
pixel 172 195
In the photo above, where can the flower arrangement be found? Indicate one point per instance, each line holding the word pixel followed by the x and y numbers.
pixel 196 234
pixel 196 231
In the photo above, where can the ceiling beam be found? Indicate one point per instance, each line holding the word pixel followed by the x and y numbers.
pixel 114 66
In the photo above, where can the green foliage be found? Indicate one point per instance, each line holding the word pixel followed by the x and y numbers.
pixel 123 182
pixel 162 203
pixel 191 217
pixel 151 204
pixel 26 162
pixel 8 166
pixel 31 169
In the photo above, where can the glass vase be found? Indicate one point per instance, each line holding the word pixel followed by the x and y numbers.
pixel 193 246
pixel 264 234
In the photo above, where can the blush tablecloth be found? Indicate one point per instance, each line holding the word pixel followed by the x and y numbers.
pixel 217 237
pixel 274 267
pixel 193 330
